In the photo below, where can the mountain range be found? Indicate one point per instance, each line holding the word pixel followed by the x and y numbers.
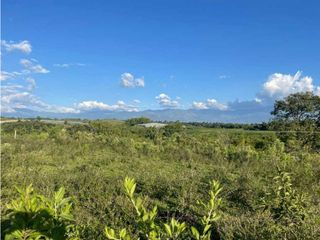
pixel 238 115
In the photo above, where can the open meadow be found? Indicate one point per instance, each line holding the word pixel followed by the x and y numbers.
pixel 270 188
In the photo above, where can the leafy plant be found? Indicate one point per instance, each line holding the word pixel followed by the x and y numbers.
pixel 33 216
pixel 283 202
pixel 211 208
pixel 149 229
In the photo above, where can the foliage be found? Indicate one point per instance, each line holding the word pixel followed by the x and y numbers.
pixel 148 228
pixel 172 128
pixel 135 121
pixel 297 120
pixel 33 216
pixel 212 215
pixel 172 171
pixel 284 203
pixel 298 107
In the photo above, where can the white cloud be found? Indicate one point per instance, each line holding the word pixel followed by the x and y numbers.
pixel 6 109
pixel 10 88
pixel 282 85
pixel 165 101
pixel 5 75
pixel 9 75
pixel 23 46
pixel 89 105
pixel 136 101
pixel 20 100
pixel 209 104
pixel 15 96
pixel 31 83
pixel 128 81
pixel 65 109
pixel 67 65
pixel 258 100
pixel 223 76
pixel 199 105
pixel 32 66
pixel 212 103
pixel 95 105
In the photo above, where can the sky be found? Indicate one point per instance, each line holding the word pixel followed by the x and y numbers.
pixel 74 56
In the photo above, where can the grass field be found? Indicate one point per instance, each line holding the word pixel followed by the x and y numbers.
pixel 172 170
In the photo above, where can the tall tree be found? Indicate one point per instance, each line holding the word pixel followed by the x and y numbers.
pixel 297 120
pixel 298 107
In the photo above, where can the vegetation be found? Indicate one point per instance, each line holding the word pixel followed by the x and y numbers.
pixel 271 182
pixel 33 216
pixel 297 120
pixel 135 121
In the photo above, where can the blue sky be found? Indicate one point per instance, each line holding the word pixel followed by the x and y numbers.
pixel 83 55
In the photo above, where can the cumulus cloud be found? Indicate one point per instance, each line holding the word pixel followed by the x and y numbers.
pixel 95 105
pixel 18 96
pixel 128 81
pixel 209 104
pixel 281 85
pixel 23 46
pixel 199 105
pixel 14 99
pixel 165 101
pixel 31 66
pixel 89 105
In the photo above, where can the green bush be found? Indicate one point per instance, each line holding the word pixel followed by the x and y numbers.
pixel 33 216
pixel 147 227
pixel 135 121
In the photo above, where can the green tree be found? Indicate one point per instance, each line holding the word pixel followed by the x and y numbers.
pixel 298 107
pixel 297 120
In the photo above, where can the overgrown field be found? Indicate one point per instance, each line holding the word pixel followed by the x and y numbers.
pixel 271 190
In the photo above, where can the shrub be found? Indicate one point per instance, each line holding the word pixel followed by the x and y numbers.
pixel 148 228
pixel 33 216
pixel 135 121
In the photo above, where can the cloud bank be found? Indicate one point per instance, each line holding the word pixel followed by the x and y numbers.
pixel 209 104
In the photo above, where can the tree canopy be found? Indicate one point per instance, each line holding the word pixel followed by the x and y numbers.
pixel 298 107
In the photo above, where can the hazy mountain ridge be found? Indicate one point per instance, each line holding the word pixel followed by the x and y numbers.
pixel 190 115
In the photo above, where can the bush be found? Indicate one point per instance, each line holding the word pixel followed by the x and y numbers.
pixel 148 228
pixel 33 216
pixel 135 121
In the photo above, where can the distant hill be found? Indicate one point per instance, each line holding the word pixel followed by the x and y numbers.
pixel 239 115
